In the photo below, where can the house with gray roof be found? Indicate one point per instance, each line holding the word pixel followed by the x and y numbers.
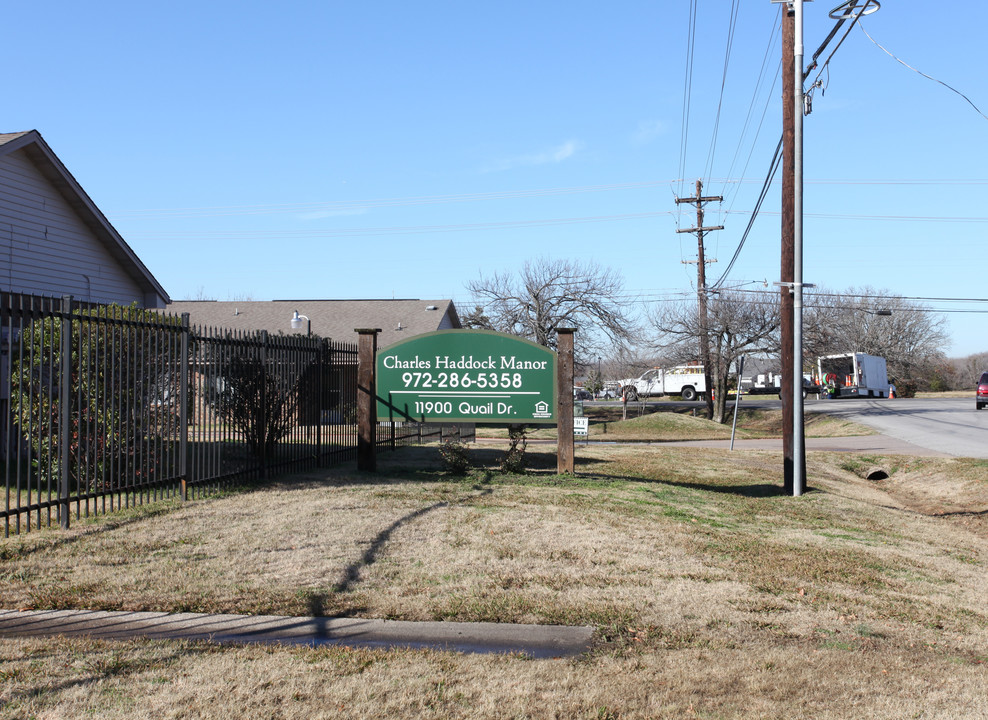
pixel 334 319
pixel 54 240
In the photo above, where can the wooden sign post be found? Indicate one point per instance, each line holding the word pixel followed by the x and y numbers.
pixel 565 462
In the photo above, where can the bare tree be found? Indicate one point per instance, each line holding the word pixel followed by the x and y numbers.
pixel 549 294
pixel 737 325
pixel 969 369
pixel 909 336
pixel 629 362
pixel 201 294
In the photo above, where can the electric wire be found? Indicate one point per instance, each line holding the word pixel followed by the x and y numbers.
pixel 341 208
pixel 770 298
pixel 515 224
pixel 905 64
pixel 776 161
pixel 401 230
pixel 762 72
pixel 840 22
pixel 687 94
pixel 751 152
pixel 731 27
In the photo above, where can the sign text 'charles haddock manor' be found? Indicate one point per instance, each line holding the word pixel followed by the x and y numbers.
pixel 466 375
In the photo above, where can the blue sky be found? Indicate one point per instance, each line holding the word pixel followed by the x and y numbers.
pixel 394 149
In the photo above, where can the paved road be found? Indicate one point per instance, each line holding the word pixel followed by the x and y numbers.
pixel 947 425
pixel 938 426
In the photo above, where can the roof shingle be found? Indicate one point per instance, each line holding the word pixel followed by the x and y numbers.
pixel 336 319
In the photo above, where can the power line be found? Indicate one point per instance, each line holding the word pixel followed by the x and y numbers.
pixel 344 207
pixel 731 26
pixel 905 64
pixel 776 159
pixel 401 230
pixel 687 93
pixel 672 292
pixel 773 37
pixel 520 224
pixel 856 14
pixel 894 218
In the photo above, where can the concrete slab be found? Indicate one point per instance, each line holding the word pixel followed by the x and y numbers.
pixel 537 641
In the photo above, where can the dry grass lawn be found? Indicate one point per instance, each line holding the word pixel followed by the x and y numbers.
pixel 715 595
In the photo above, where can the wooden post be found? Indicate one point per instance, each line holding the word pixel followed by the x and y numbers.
pixel 565 462
pixel 702 290
pixel 367 399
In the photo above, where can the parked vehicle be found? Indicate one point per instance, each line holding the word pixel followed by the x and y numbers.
pixel 982 394
pixel 853 375
pixel 771 384
pixel 685 380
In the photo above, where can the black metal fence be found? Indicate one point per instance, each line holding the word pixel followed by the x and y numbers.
pixel 104 407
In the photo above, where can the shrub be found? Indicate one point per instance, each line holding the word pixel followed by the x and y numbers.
pixel 906 388
pixel 454 456
pixel 261 404
pixel 514 459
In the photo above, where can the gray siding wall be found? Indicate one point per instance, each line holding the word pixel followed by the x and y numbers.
pixel 447 322
pixel 46 249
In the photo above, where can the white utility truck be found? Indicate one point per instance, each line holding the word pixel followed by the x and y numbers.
pixel 685 380
pixel 771 384
pixel 853 375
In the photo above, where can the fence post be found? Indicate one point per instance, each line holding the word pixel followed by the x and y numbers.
pixel 320 394
pixel 262 414
pixel 367 399
pixel 564 390
pixel 183 413
pixel 64 410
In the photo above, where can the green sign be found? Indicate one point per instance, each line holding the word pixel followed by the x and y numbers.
pixel 466 376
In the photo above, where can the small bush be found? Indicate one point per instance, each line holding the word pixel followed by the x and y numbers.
pixel 906 388
pixel 454 456
pixel 514 459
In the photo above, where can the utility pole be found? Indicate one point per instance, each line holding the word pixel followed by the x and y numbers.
pixel 798 439
pixel 788 197
pixel 701 285
pixel 791 326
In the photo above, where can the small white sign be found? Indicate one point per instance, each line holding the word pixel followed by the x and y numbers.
pixel 581 426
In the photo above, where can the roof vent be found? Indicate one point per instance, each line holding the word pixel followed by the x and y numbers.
pixel 431 307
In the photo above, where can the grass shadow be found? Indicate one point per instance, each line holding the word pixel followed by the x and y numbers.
pixel 542 466
pixel 351 574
